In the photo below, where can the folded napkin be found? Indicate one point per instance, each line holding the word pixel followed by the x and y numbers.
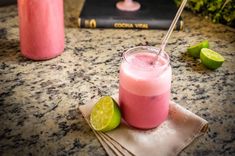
pixel 171 137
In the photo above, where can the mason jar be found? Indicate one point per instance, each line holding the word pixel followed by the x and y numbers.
pixel 145 87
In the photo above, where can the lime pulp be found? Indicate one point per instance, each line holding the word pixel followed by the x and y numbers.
pixel 211 59
pixel 105 115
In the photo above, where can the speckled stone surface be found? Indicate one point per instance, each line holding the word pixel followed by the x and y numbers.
pixel 38 100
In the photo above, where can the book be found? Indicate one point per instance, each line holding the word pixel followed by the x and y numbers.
pixel 153 14
pixel 7 2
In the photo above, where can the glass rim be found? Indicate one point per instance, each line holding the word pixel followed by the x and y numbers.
pixel 149 49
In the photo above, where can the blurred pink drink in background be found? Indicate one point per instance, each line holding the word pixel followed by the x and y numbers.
pixel 41 25
pixel 128 5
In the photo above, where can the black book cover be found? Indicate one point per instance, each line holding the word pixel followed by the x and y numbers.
pixel 7 2
pixel 153 14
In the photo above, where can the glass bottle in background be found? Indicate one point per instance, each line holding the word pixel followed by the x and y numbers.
pixel 144 87
pixel 41 25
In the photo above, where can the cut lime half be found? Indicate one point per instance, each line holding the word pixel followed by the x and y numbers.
pixel 196 49
pixel 105 115
pixel 211 59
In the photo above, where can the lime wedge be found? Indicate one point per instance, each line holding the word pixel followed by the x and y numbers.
pixel 211 59
pixel 196 49
pixel 105 115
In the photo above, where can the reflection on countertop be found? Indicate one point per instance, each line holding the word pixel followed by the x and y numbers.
pixel 38 100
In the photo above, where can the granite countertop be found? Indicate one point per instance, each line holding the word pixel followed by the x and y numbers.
pixel 39 100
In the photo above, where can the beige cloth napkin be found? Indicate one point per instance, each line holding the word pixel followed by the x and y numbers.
pixel 168 139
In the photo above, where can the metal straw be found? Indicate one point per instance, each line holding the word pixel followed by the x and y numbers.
pixel 167 36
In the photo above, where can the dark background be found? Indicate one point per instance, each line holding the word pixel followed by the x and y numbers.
pixel 7 2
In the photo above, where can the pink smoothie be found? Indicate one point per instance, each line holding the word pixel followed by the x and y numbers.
pixel 41 28
pixel 144 90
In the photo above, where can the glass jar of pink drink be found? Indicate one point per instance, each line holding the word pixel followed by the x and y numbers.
pixel 41 24
pixel 144 87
